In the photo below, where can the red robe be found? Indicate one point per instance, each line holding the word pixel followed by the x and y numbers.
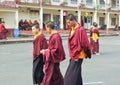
pixel 3 31
pixel 38 44
pixel 94 44
pixel 52 58
pixel 77 42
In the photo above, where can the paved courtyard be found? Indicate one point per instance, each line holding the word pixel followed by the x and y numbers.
pixel 16 63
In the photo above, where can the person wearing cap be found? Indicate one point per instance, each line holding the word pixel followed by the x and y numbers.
pixel 94 38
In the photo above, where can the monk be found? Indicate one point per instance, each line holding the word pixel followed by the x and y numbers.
pixel 94 38
pixel 79 48
pixel 39 43
pixel 3 30
pixel 52 58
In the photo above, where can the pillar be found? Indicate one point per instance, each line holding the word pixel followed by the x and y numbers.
pixel 107 20
pixel 119 13
pixel 51 17
pixel 79 16
pixel 16 19
pixel 41 18
pixel 61 19
pixel 95 16
pixel 119 19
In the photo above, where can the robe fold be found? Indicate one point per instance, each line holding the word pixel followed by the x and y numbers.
pixel 39 43
pixel 52 58
pixel 77 42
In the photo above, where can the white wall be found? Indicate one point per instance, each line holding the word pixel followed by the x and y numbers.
pixel 9 19
pixel 24 14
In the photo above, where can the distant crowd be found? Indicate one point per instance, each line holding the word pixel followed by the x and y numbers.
pixel 26 25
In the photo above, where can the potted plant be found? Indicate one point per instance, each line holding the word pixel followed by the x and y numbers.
pixel 64 3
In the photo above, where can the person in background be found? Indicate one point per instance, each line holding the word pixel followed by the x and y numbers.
pixel 21 25
pixel 39 43
pixel 79 48
pixel 3 30
pixel 52 57
pixel 94 38
pixel 26 24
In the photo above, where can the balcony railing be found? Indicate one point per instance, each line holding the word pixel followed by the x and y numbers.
pixel 7 4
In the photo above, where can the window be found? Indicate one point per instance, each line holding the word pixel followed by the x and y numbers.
pixel 73 1
pixel 56 0
pixel 46 18
pixel 101 21
pixel 56 19
pixel 1 19
pixel 113 21
pixel 89 1
pixel 102 2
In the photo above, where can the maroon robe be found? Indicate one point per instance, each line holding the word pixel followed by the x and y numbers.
pixel 52 58
pixel 94 44
pixel 3 31
pixel 77 42
pixel 38 44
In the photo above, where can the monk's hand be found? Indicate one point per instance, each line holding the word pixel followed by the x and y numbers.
pixel 42 51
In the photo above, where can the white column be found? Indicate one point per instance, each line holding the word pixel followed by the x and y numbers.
pixel 95 2
pixel 119 19
pixel 95 16
pixel 107 20
pixel 119 13
pixel 61 0
pixel 61 19
pixel 41 18
pixel 79 16
pixel 51 17
pixel 107 1
pixel 16 19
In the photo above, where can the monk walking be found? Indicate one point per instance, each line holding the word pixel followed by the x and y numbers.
pixel 94 38
pixel 79 48
pixel 52 57
pixel 39 43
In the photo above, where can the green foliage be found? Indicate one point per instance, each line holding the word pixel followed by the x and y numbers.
pixel 98 7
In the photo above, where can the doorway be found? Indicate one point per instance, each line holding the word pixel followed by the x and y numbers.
pixel 87 22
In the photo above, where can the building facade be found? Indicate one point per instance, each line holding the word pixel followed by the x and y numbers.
pixel 104 12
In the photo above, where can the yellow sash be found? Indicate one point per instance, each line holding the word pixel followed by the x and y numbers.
pixel 95 36
pixel 36 35
pixel 82 54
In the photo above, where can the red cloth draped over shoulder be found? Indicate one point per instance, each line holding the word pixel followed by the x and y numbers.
pixel 55 52
pixel 77 42
pixel 39 43
pixel 52 58
pixel 1 28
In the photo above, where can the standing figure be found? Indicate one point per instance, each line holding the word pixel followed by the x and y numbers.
pixel 3 30
pixel 52 58
pixel 79 48
pixel 39 43
pixel 21 25
pixel 94 38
